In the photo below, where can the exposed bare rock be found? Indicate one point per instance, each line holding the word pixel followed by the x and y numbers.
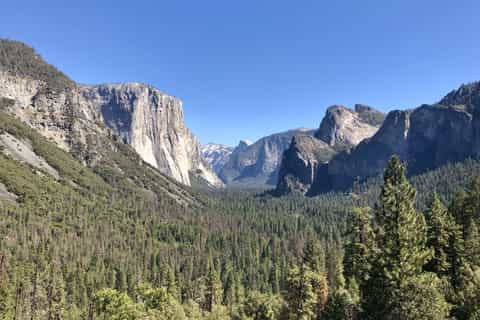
pixel 301 162
pixel 64 116
pixel 468 95
pixel 306 159
pixel 73 116
pixel 216 155
pixel 257 164
pixel 22 151
pixel 369 157
pixel 425 138
pixel 5 194
pixel 343 128
pixel 152 123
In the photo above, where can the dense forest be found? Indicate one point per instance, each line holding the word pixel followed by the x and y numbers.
pixel 94 245
pixel 113 239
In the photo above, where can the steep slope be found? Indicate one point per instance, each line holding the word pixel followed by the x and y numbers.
pixel 257 164
pixel 301 162
pixel 425 138
pixel 152 123
pixel 73 116
pixel 49 102
pixel 216 155
pixel 26 154
pixel 340 130
pixel 343 128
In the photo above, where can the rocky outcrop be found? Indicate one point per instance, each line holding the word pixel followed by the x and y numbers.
pixel 425 138
pixel 84 119
pixel 343 128
pixel 257 164
pixel 22 151
pixel 369 157
pixel 216 155
pixel 63 116
pixel 152 123
pixel 307 157
pixel 301 162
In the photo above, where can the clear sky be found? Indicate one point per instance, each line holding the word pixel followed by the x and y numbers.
pixel 248 68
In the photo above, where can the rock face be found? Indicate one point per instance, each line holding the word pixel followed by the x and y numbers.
pixel 63 116
pixel 425 138
pixel 152 123
pixel 301 162
pixel 343 128
pixel 307 157
pixel 257 164
pixel 80 119
pixel 216 155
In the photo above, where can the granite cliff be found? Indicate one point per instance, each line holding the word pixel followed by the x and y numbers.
pixel 84 119
pixel 152 123
pixel 426 138
pixel 341 129
pixel 216 155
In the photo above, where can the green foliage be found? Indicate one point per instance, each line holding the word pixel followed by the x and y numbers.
pixel 306 293
pixel 360 246
pixel 260 306
pixel 440 226
pixel 396 277
pixel 114 305
pixel 340 306
pixel 21 60
pixel 420 298
pixel 119 223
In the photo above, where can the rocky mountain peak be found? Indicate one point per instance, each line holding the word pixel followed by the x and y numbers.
pixel 467 95
pixel 216 155
pixel 256 165
pixel 243 144
pixel 152 123
pixel 343 128
pixel 301 162
pixel 426 138
pixel 76 117
pixel 308 157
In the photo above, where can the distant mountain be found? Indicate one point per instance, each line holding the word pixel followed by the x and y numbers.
pixel 84 119
pixel 256 165
pixel 341 129
pixel 425 138
pixel 216 155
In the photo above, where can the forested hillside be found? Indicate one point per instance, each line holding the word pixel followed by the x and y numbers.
pixel 91 231
pixel 119 242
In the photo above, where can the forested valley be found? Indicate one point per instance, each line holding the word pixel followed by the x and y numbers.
pixel 94 245
pixel 97 233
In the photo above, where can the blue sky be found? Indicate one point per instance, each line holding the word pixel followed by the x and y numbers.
pixel 248 68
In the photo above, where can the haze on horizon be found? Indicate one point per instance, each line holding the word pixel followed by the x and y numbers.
pixel 252 68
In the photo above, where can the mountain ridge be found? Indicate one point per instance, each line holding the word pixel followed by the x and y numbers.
pixel 341 129
pixel 425 137
pixel 47 100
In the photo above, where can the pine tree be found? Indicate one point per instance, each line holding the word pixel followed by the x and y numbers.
pixel 439 227
pixel 360 246
pixel 169 281
pixel 313 261
pixel 214 290
pixel 402 230
pixel 313 255
pixel 299 294
pixel 472 243
pixel 402 252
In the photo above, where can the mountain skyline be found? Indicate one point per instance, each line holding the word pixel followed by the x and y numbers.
pixel 293 61
pixel 239 160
